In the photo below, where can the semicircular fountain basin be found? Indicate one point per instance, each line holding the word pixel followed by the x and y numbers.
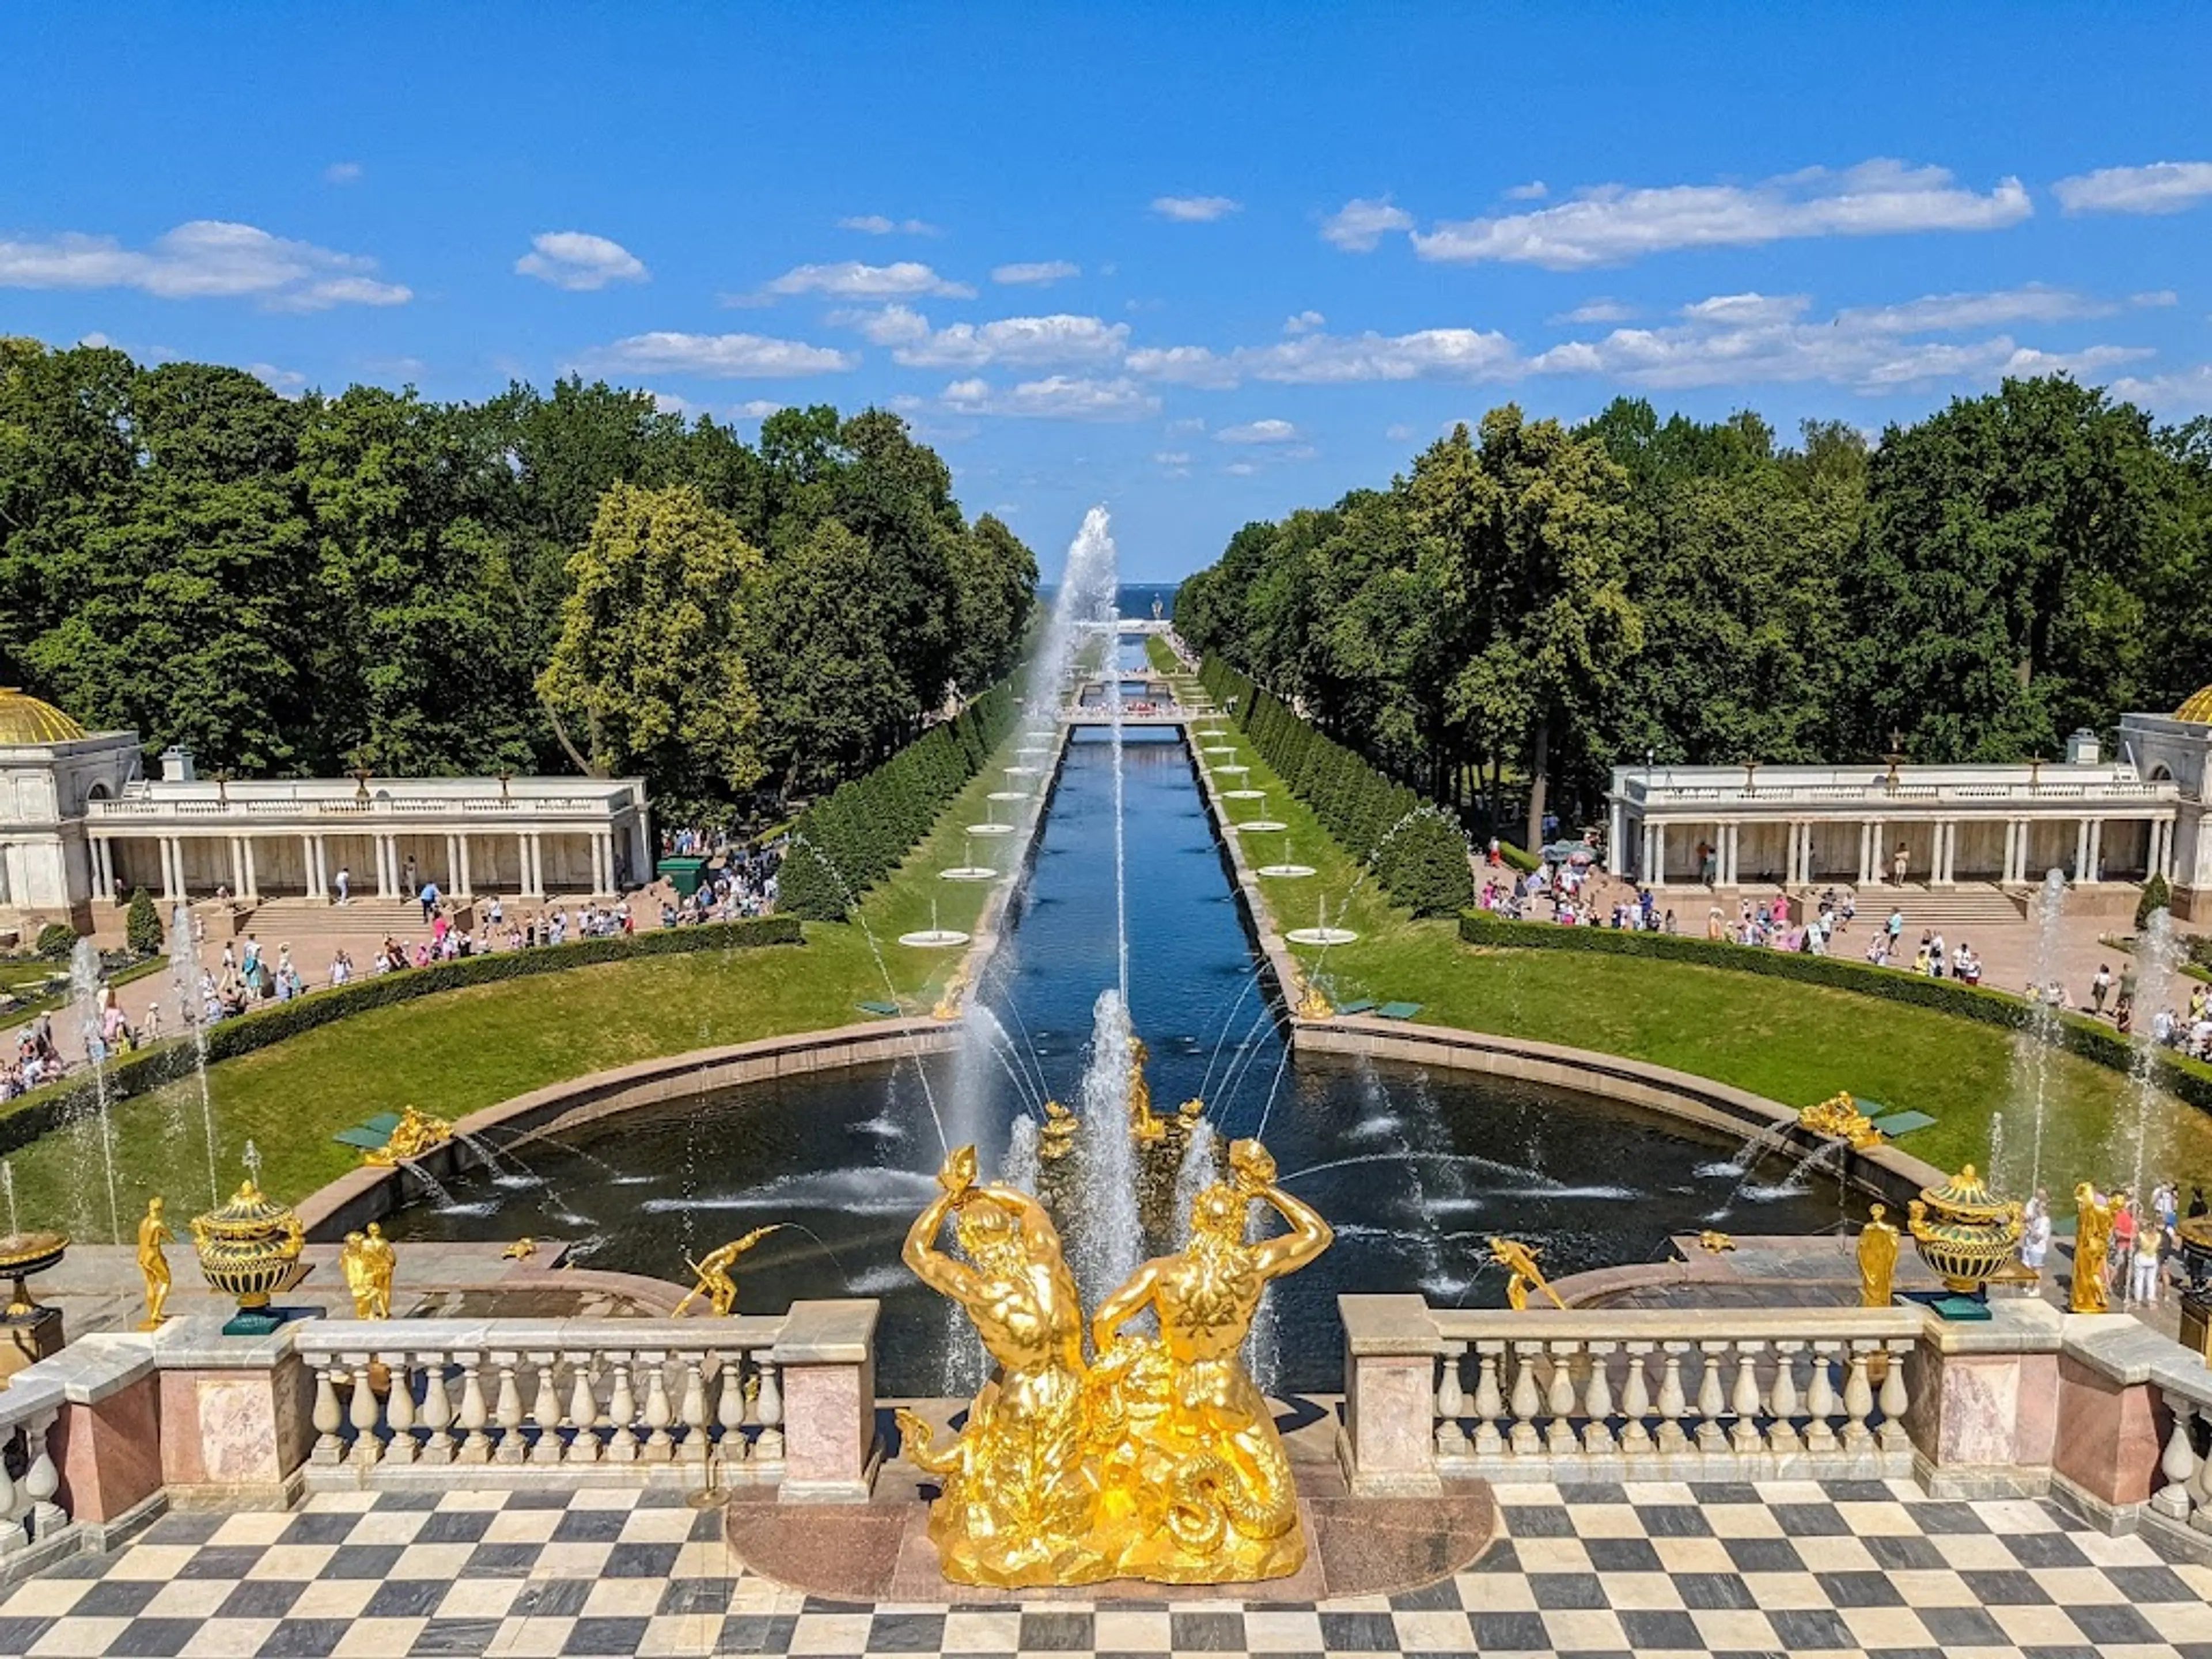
pixel 1415 1170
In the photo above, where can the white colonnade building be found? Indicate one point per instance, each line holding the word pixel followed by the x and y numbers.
pixel 2096 820
pixel 82 828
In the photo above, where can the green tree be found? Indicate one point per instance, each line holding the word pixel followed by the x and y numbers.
pixel 822 659
pixel 142 925
pixel 651 660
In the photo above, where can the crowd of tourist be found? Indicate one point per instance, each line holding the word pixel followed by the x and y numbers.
pixel 2145 1256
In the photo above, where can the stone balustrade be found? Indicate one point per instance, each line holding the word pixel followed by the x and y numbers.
pixel 1599 1394
pixel 34 1526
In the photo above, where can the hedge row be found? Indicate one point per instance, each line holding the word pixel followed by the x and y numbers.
pixel 2189 1080
pixel 1418 852
pixel 43 1110
pixel 842 846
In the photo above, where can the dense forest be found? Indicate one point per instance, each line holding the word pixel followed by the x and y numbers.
pixel 1534 603
pixel 539 581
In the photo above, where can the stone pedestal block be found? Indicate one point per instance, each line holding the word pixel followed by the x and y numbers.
pixel 236 1414
pixel 825 1358
pixel 1984 1404
pixel 1388 1448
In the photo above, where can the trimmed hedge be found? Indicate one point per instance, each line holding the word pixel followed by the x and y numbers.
pixel 2188 1080
pixel 842 846
pixel 43 1110
pixel 1417 851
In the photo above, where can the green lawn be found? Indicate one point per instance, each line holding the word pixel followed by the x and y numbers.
pixel 1793 1043
pixel 462 1050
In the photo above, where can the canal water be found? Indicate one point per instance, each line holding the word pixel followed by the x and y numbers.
pixel 1415 1170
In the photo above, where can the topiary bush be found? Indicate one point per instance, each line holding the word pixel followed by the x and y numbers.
pixel 2156 896
pixel 1424 865
pixel 142 925
pixel 56 940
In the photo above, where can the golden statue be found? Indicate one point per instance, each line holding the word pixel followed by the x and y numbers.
pixel 154 1266
pixel 1313 1004
pixel 521 1250
pixel 1195 1486
pixel 2093 1247
pixel 1838 1116
pixel 715 1282
pixel 948 1002
pixel 1520 1260
pixel 416 1133
pixel 1020 1494
pixel 1056 1139
pixel 367 1261
pixel 1715 1243
pixel 1144 1125
pixel 1878 1241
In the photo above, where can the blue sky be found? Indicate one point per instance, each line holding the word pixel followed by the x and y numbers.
pixel 1205 264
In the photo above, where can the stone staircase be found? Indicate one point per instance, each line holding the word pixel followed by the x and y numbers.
pixel 1953 911
pixel 292 918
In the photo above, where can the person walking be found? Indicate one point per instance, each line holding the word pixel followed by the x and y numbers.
pixel 1899 865
pixel 2143 1263
pixel 344 884
pixel 429 897
pixel 407 876
pixel 2099 988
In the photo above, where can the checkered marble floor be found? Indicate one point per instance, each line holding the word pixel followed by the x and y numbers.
pixel 1780 1567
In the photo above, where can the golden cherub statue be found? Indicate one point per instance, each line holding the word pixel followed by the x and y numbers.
pixel 416 1133
pixel 1056 1139
pixel 367 1261
pixel 1019 1495
pixel 716 1283
pixel 1144 1125
pixel 2092 1248
pixel 1194 1486
pixel 154 1266
pixel 1314 1004
pixel 1877 1254
pixel 1520 1260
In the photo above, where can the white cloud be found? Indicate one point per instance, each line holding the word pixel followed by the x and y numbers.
pixel 2162 187
pixel 849 279
pixel 1360 223
pixel 1172 457
pixel 720 356
pixel 1019 341
pixel 343 173
pixel 1258 432
pixel 2184 393
pixel 875 224
pixel 1434 354
pixel 203 259
pixel 1397 432
pixel 759 409
pixel 1035 271
pixel 892 324
pixel 287 382
pixel 1945 314
pixel 1613 223
pixel 1748 310
pixel 1059 397
pixel 1241 468
pixel 1304 323
pixel 1597 310
pixel 1195 210
pixel 2162 296
pixel 579 261
pixel 1535 191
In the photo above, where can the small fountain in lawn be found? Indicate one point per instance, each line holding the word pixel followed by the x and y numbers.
pixel 1262 825
pixel 1287 868
pixel 85 987
pixel 967 869
pixel 1232 770
pixel 993 828
pixel 1321 932
pixel 935 936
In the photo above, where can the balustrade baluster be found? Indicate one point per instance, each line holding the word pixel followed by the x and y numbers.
pixel 583 1411
pixel 730 1407
pixel 658 1414
pixel 692 1412
pixel 770 1406
pixel 15 1529
pixel 1712 1402
pixel 2179 1462
pixel 1451 1400
pixel 1489 1403
pixel 545 1413
pixel 2200 1484
pixel 398 1409
pixel 1858 1399
pixel 1782 1401
pixel 621 1412
pixel 1821 1400
pixel 1744 1402
pixel 1597 1401
pixel 508 1412
pixel 1672 1404
pixel 474 1415
pixel 42 1480
pixel 1635 1400
pixel 364 1414
pixel 1527 1402
pixel 1893 1399
pixel 437 1413
pixel 1560 1399
pixel 328 1418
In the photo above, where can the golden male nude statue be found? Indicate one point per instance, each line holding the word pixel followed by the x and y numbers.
pixel 1196 1486
pixel 1019 1493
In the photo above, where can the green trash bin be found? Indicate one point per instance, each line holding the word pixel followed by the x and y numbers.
pixel 684 873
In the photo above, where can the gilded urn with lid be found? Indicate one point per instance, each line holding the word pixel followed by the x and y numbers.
pixel 250 1248
pixel 1964 1231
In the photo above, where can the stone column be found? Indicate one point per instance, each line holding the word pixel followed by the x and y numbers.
pixel 1866 844
pixel 2094 866
pixel 463 880
pixel 238 866
pixel 2081 849
pixel 826 1357
pixel 1388 1442
pixel 1878 867
pixel 522 863
pixel 607 861
pixel 533 859
pixel 308 863
pixel 1731 843
pixel 103 880
pixel 388 867
pixel 251 887
pixel 1655 873
pixel 1616 827
pixel 171 876
pixel 1939 861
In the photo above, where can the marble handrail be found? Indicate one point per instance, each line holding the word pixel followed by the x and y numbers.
pixel 29 1513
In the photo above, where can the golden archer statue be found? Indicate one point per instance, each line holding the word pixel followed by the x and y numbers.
pixel 1520 1260
pixel 1196 1486
pixel 716 1283
pixel 1018 1492
pixel 153 1266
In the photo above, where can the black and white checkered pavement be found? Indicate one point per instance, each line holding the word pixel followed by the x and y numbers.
pixel 1780 1567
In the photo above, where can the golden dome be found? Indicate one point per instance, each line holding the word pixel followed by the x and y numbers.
pixel 2198 709
pixel 24 719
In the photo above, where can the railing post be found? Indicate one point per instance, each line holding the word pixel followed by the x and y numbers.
pixel 825 1360
pixel 1387 1443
